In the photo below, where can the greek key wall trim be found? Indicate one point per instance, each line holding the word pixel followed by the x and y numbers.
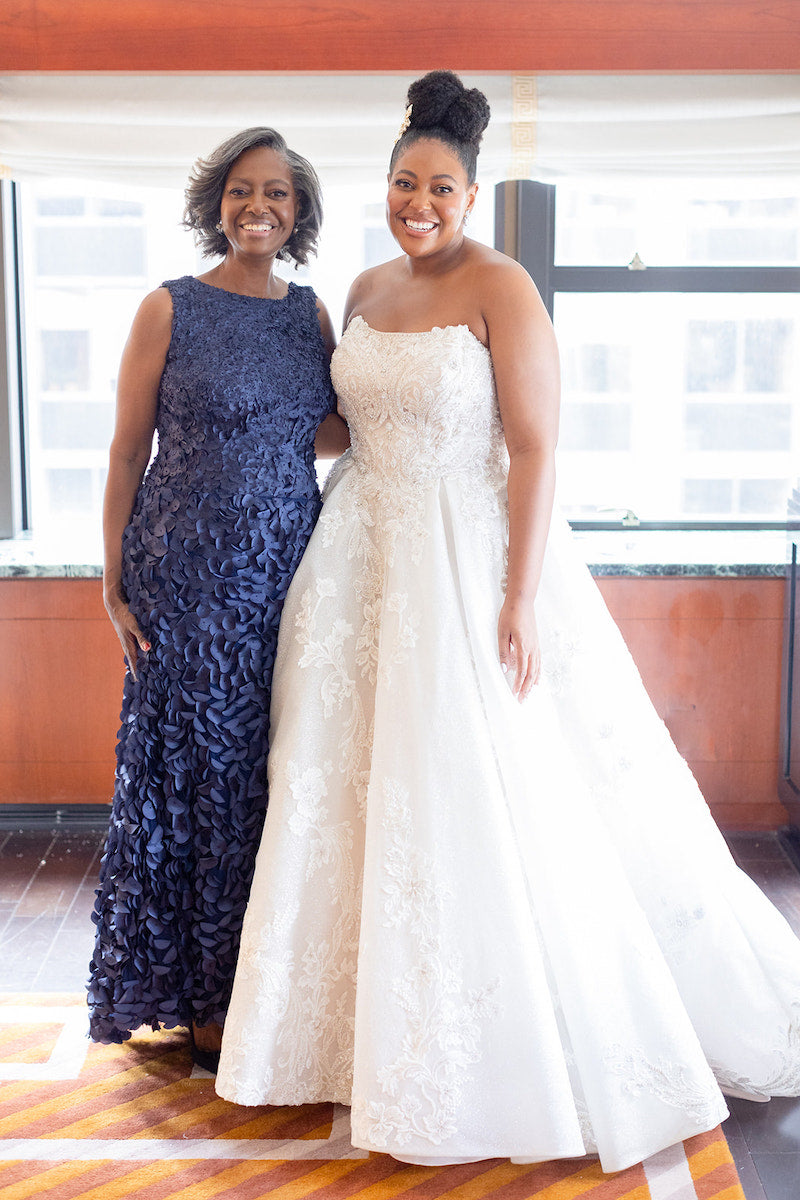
pixel 524 108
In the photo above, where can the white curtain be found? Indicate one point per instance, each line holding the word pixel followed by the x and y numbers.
pixel 668 125
pixel 148 129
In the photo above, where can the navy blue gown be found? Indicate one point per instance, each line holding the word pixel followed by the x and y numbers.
pixel 219 525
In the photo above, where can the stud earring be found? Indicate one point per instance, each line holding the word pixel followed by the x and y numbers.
pixel 218 226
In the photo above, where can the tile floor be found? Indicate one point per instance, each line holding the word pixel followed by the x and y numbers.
pixel 47 880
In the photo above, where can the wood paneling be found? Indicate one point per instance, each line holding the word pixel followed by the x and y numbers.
pixel 382 35
pixel 60 692
pixel 708 650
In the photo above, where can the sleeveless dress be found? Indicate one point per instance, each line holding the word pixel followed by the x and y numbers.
pixel 494 929
pixel 218 527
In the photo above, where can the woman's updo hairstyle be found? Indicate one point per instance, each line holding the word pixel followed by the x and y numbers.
pixel 442 108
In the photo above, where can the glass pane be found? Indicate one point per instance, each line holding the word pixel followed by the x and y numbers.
pixel 667 224
pixel 90 254
pixel 90 251
pixel 699 415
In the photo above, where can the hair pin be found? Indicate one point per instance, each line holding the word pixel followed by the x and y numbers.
pixel 404 124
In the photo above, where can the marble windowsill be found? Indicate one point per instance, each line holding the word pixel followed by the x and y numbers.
pixel 718 554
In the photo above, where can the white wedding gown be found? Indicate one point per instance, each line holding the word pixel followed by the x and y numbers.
pixel 496 930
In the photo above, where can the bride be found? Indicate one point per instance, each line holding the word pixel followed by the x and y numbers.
pixel 490 910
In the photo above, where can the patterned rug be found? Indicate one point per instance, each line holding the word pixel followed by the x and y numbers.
pixel 86 1122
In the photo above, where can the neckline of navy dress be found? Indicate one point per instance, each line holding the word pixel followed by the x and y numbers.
pixel 292 286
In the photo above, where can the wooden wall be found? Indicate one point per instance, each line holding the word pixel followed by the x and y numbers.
pixel 383 35
pixel 709 651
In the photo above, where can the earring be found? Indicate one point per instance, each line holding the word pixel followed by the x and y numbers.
pixel 218 226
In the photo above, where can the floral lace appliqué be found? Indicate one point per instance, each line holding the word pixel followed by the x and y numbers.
pixel 443 1020
pixel 405 441
pixel 783 1080
pixel 670 1082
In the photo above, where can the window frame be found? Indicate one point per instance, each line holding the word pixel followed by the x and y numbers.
pixel 525 228
pixel 14 468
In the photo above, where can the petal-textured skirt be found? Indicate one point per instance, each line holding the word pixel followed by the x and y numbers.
pixel 190 796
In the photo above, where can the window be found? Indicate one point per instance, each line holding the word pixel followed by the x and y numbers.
pixel 680 381
pixel 89 253
pixel 65 360
pixel 678 321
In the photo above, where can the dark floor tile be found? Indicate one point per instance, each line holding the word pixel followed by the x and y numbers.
pixel 27 940
pixel 771 1128
pixel 20 860
pixel 21 959
pixel 7 910
pixel 756 847
pixel 80 913
pixel 51 895
pixel 779 1174
pixel 748 1175
pixel 66 967
pixel 773 874
pixel 56 875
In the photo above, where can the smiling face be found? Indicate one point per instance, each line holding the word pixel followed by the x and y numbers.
pixel 428 199
pixel 258 206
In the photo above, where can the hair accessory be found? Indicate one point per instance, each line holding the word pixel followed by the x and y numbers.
pixel 404 124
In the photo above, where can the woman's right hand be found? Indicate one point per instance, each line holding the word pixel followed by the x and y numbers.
pixel 127 628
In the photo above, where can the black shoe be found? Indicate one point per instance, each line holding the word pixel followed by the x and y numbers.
pixel 207 1059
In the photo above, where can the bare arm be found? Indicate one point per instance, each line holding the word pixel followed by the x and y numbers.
pixel 357 288
pixel 137 392
pixel 525 360
pixel 333 436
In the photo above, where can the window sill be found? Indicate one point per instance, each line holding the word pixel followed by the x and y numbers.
pixel 713 553
pixel 717 554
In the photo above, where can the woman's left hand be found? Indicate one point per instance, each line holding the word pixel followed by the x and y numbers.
pixel 518 640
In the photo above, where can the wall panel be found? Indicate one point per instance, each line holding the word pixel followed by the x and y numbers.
pixel 708 650
pixel 381 35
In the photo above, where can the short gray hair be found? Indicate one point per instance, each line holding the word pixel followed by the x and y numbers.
pixel 207 183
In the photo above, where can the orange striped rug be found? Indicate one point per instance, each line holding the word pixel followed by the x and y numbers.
pixel 139 1122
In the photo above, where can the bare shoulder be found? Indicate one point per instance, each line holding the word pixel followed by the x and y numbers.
pixel 369 283
pixel 508 296
pixel 154 315
pixel 499 276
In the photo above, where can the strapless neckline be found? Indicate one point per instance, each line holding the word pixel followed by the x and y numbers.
pixel 417 332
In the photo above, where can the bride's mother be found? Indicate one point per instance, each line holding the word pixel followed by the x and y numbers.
pixel 230 368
